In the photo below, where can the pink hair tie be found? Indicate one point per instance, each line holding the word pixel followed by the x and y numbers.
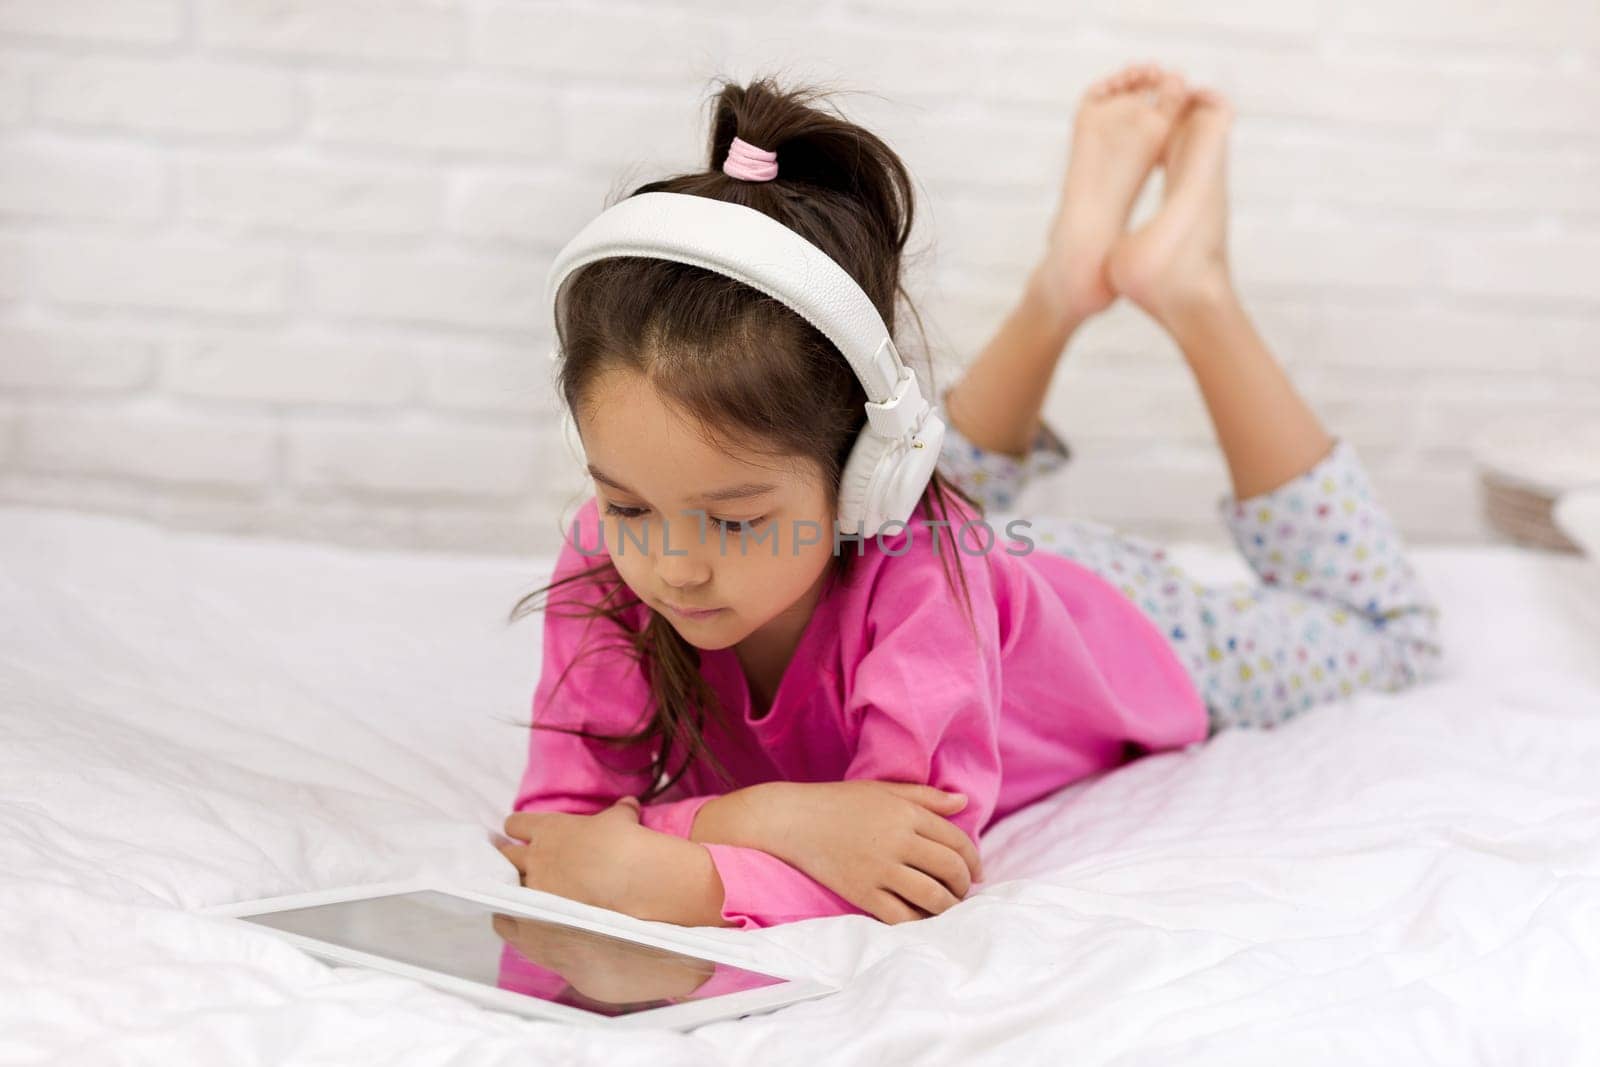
pixel 749 163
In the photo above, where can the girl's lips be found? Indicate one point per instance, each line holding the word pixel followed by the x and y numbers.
pixel 704 613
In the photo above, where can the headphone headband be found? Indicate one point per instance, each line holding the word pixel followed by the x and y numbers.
pixel 894 457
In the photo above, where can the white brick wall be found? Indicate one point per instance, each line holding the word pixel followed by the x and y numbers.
pixel 273 266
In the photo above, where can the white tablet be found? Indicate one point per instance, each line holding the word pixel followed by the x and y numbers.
pixel 537 954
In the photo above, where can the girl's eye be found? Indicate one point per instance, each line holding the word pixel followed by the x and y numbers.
pixel 734 524
pixel 726 524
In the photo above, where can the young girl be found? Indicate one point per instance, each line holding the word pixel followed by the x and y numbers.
pixel 731 730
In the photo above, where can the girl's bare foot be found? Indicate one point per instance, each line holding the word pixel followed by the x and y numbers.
pixel 1122 123
pixel 1179 259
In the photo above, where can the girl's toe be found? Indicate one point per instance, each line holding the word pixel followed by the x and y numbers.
pixel 1171 94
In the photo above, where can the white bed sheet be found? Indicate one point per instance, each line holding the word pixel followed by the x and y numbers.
pixel 189 719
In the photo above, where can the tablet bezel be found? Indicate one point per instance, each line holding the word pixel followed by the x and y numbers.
pixel 535 904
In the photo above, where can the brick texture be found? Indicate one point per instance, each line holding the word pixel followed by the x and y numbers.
pixel 275 267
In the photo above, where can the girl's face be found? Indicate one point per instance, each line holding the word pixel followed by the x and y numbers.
pixel 671 507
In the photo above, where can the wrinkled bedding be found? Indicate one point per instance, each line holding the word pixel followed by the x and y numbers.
pixel 189 719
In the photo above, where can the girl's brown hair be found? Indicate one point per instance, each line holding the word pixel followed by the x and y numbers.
pixel 748 369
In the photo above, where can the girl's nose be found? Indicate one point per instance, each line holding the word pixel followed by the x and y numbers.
pixel 681 561
pixel 682 572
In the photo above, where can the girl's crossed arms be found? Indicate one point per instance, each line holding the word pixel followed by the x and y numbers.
pixel 885 847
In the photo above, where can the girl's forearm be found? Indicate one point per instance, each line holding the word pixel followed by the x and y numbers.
pixel 751 817
pixel 672 880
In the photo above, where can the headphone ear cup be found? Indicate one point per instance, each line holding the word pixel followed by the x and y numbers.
pixel 860 470
pixel 917 466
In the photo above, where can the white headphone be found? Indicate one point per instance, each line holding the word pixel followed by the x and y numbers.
pixel 894 456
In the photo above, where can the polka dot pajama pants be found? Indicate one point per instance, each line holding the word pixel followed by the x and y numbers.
pixel 1338 607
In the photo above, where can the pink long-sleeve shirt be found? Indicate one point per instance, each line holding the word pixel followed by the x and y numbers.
pixel 1067 677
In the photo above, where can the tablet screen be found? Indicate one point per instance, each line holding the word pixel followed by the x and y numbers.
pixel 552 961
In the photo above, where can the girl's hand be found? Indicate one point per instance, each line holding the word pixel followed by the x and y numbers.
pixel 886 847
pixel 580 857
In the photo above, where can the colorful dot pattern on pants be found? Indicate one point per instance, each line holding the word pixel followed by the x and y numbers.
pixel 1338 606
